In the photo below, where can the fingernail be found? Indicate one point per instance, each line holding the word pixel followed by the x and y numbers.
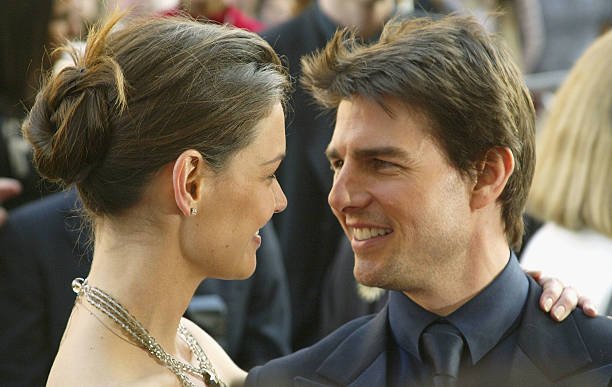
pixel 548 304
pixel 559 312
pixel 591 308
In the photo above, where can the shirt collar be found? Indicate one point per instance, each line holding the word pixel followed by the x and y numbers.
pixel 483 320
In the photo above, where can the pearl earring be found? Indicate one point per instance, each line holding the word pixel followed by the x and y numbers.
pixel 193 211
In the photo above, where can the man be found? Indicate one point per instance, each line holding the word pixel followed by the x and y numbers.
pixel 308 232
pixel 433 155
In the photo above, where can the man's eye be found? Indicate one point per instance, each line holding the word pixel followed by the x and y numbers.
pixel 335 165
pixel 381 164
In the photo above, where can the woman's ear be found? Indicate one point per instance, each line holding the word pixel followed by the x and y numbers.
pixel 187 180
pixel 492 175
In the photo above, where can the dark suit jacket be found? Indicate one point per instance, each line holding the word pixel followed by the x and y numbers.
pixel 42 250
pixel 576 352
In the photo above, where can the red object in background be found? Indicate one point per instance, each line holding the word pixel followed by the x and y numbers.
pixel 231 15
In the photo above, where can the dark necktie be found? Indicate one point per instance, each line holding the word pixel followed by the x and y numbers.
pixel 442 346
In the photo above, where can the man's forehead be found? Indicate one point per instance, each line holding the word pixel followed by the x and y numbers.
pixel 361 116
pixel 357 114
pixel 358 104
pixel 385 108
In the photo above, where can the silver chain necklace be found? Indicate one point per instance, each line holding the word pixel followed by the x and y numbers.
pixel 120 315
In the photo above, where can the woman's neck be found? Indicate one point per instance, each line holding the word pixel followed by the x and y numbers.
pixel 145 275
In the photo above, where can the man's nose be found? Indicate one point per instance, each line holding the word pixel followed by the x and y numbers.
pixel 349 190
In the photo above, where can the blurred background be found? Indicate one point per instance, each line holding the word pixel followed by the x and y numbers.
pixel 311 261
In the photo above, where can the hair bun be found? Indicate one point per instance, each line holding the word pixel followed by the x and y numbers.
pixel 69 125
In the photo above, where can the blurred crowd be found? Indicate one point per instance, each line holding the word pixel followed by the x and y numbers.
pixel 303 287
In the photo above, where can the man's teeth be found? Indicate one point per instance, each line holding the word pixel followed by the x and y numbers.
pixel 361 234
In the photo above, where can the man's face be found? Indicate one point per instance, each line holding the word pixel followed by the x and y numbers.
pixel 404 208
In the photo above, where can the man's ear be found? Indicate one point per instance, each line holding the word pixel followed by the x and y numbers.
pixel 492 175
pixel 187 181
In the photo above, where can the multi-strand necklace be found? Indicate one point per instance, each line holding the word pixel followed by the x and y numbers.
pixel 130 325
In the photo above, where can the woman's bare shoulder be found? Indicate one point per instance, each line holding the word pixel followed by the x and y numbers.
pixel 89 355
pixel 81 379
pixel 102 374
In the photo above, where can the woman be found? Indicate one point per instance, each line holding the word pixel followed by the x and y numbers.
pixel 572 186
pixel 171 131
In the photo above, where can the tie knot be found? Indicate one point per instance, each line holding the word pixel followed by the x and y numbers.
pixel 442 347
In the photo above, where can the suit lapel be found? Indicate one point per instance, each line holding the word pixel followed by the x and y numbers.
pixel 303 382
pixel 374 375
pixel 525 373
pixel 549 349
pixel 360 360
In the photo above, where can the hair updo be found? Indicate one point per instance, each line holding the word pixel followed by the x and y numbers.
pixel 140 96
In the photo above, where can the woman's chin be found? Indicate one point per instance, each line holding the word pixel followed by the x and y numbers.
pixel 249 269
pixel 244 270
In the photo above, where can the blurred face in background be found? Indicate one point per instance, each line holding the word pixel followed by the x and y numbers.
pixel 206 8
pixel 66 22
pixel 141 8
pixel 274 12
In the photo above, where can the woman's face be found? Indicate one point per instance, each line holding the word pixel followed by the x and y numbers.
pixel 239 201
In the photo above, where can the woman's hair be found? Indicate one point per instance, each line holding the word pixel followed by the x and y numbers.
pixel 573 177
pixel 140 96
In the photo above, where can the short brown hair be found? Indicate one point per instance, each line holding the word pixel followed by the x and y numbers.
pixel 453 72
pixel 142 95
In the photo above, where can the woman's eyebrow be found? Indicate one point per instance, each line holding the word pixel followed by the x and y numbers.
pixel 280 157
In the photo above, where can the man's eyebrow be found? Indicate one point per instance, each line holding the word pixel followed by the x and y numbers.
pixel 331 153
pixel 368 153
pixel 280 157
pixel 386 151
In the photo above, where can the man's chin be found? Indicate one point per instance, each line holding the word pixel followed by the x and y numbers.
pixel 370 271
pixel 368 278
pixel 378 279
